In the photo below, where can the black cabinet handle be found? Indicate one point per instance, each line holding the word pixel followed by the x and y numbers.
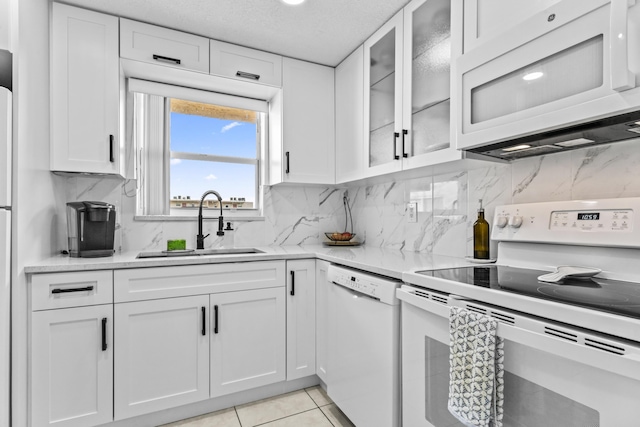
pixel 293 283
pixel 111 158
pixel 204 321
pixel 395 146
pixel 246 75
pixel 104 334
pixel 215 319
pixel 287 156
pixel 404 133
pixel 63 291
pixel 166 59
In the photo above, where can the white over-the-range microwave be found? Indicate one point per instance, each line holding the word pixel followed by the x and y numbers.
pixel 565 78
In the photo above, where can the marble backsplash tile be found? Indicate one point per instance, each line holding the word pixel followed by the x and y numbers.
pixel 447 204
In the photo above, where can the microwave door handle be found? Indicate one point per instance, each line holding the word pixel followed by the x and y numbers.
pixel 621 77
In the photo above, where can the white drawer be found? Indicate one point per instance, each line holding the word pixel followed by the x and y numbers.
pixel 157 45
pixel 62 290
pixel 241 63
pixel 167 282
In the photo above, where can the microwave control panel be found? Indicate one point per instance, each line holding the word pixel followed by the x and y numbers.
pixel 605 222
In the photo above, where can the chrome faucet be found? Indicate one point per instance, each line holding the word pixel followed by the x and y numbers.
pixel 200 238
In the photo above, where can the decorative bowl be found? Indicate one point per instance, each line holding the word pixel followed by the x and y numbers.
pixel 340 237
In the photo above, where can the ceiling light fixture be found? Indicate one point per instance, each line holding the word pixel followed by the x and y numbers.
pixel 533 76
pixel 293 2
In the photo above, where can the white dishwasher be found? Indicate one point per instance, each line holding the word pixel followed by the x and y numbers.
pixel 363 376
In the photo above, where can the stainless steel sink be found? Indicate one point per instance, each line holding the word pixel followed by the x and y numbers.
pixel 199 252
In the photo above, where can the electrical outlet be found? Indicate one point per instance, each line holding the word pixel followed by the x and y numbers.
pixel 412 212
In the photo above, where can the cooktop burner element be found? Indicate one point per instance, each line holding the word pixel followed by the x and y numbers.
pixel 613 296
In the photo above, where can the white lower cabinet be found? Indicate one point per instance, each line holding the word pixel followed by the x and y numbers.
pixel 72 366
pixel 322 318
pixel 235 327
pixel 301 318
pixel 247 340
pixel 161 354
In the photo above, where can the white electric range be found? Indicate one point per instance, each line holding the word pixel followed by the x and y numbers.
pixel 572 349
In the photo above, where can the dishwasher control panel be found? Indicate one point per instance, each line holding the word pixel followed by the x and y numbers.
pixel 380 288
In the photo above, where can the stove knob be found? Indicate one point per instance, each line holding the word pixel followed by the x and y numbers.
pixel 501 221
pixel 515 221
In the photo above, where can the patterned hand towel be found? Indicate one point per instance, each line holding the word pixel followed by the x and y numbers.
pixel 476 383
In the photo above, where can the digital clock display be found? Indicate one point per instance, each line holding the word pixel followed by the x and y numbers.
pixel 591 216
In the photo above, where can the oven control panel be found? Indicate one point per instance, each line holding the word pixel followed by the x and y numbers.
pixel 594 221
pixel 605 222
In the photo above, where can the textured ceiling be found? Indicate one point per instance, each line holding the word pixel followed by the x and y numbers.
pixel 321 31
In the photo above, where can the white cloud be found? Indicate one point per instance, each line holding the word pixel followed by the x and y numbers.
pixel 176 161
pixel 230 126
pixel 210 177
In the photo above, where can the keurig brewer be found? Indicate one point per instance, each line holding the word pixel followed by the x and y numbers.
pixel 91 227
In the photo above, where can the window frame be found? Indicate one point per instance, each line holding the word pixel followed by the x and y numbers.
pixel 198 95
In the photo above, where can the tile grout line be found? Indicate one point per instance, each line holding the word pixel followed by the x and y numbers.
pixel 325 415
pixel 320 407
pixel 288 416
pixel 235 409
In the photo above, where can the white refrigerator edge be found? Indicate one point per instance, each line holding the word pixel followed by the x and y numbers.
pixel 5 254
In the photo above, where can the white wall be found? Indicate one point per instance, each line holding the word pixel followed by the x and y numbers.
pixel 36 191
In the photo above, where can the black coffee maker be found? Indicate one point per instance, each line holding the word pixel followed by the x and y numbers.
pixel 90 227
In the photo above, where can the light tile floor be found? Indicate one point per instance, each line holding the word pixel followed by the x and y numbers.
pixel 310 407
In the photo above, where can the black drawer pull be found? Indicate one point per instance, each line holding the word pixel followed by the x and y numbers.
pixel 287 169
pixel 111 157
pixel 395 146
pixel 63 291
pixel 293 283
pixel 166 59
pixel 104 334
pixel 204 321
pixel 215 319
pixel 404 133
pixel 246 75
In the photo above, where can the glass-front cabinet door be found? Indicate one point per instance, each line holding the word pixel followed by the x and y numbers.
pixel 426 89
pixel 383 98
pixel 407 90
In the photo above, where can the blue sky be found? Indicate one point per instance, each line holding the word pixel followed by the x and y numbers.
pixel 197 134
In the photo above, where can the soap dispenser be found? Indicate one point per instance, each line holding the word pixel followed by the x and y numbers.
pixel 481 236
pixel 228 239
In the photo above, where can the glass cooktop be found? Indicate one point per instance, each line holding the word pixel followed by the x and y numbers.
pixel 614 296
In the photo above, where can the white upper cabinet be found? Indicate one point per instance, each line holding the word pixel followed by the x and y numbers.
pixel 85 133
pixel 383 98
pixel 425 137
pixel 302 125
pixel 349 117
pixel 407 90
pixel 484 20
pixel 242 63
pixel 158 45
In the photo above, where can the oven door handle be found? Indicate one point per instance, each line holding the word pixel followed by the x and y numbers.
pixel 439 308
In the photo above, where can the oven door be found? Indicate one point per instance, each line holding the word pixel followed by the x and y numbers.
pixel 574 62
pixel 552 378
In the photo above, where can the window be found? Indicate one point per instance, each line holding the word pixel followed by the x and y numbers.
pixel 191 141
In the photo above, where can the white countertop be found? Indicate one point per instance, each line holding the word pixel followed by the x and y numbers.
pixel 385 262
